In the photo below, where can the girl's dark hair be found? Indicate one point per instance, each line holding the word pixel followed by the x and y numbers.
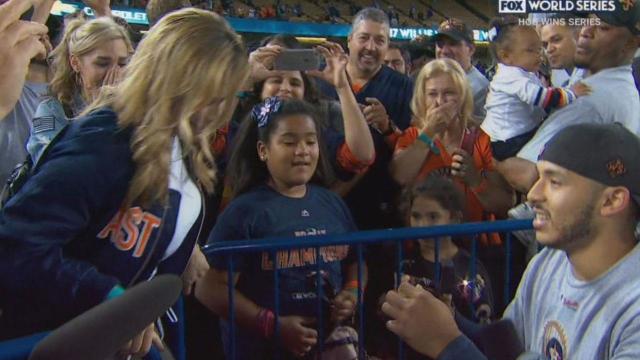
pixel 311 93
pixel 504 27
pixel 247 171
pixel 284 40
pixel 435 187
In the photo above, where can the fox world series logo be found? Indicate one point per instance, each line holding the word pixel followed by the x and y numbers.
pixel 555 6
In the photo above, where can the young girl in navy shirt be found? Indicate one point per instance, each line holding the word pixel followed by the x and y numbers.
pixel 277 171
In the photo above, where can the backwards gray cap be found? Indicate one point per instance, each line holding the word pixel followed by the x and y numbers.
pixel 608 154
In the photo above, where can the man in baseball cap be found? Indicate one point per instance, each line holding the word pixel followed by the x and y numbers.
pixel 626 14
pixel 454 40
pixel 605 48
pixel 578 297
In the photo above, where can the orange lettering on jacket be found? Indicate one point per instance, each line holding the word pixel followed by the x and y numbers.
pixel 130 228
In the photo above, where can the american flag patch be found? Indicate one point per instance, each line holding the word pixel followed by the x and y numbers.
pixel 43 123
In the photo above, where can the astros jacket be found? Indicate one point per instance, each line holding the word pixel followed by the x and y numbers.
pixel 65 240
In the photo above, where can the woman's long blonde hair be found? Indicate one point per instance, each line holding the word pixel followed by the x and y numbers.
pixel 435 68
pixel 80 38
pixel 189 60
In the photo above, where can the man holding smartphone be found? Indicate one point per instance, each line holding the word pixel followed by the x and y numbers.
pixel 384 96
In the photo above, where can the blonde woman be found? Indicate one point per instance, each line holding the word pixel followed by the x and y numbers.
pixel 441 141
pixel 90 55
pixel 118 198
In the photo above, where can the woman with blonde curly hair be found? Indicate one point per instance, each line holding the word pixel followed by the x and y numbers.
pixel 91 54
pixel 118 199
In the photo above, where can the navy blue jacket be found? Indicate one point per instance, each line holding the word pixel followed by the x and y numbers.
pixel 65 243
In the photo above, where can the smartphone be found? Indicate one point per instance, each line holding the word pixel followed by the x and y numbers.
pixel 297 59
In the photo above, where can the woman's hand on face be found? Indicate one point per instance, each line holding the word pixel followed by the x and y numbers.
pixel 438 118
pixel 261 61
pixel 113 76
pixel 462 167
pixel 335 72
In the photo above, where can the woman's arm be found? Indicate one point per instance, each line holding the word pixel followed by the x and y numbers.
pixel 58 205
pixel 406 163
pixel 497 197
pixel 493 192
pixel 212 291
pixel 294 334
pixel 356 130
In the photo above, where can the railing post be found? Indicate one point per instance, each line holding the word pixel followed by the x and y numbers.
pixel 437 271
pixel 360 305
pixel 320 294
pixel 398 281
pixel 232 327
pixel 507 274
pixel 473 269
pixel 276 301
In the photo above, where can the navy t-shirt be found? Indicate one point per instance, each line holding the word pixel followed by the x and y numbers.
pixel 263 212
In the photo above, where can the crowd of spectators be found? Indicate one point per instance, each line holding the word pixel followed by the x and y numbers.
pixel 123 155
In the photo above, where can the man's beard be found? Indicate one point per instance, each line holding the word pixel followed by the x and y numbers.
pixel 577 234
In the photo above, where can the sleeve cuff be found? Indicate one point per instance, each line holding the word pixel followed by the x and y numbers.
pixel 461 348
pixel 115 292
pixel 350 162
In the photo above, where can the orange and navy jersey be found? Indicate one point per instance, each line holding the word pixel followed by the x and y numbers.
pixel 440 164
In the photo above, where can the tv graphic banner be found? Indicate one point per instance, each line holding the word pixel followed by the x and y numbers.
pixel 558 6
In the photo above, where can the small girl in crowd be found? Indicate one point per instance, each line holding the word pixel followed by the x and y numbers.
pixel 277 171
pixel 461 283
pixel 518 101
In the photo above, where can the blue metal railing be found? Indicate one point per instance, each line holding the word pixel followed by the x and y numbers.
pixel 359 239
pixel 18 349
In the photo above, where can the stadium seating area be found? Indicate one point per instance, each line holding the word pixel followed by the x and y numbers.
pixel 406 13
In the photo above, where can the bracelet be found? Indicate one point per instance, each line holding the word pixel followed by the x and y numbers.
pixel 266 323
pixel 429 142
pixel 352 287
pixel 115 292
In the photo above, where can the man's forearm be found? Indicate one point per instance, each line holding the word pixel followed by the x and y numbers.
pixel 521 174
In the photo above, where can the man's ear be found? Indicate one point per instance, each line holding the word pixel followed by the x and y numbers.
pixel 504 55
pixel 632 44
pixel 472 49
pixel 614 201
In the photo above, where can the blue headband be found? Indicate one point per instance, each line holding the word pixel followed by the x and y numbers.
pixel 263 112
